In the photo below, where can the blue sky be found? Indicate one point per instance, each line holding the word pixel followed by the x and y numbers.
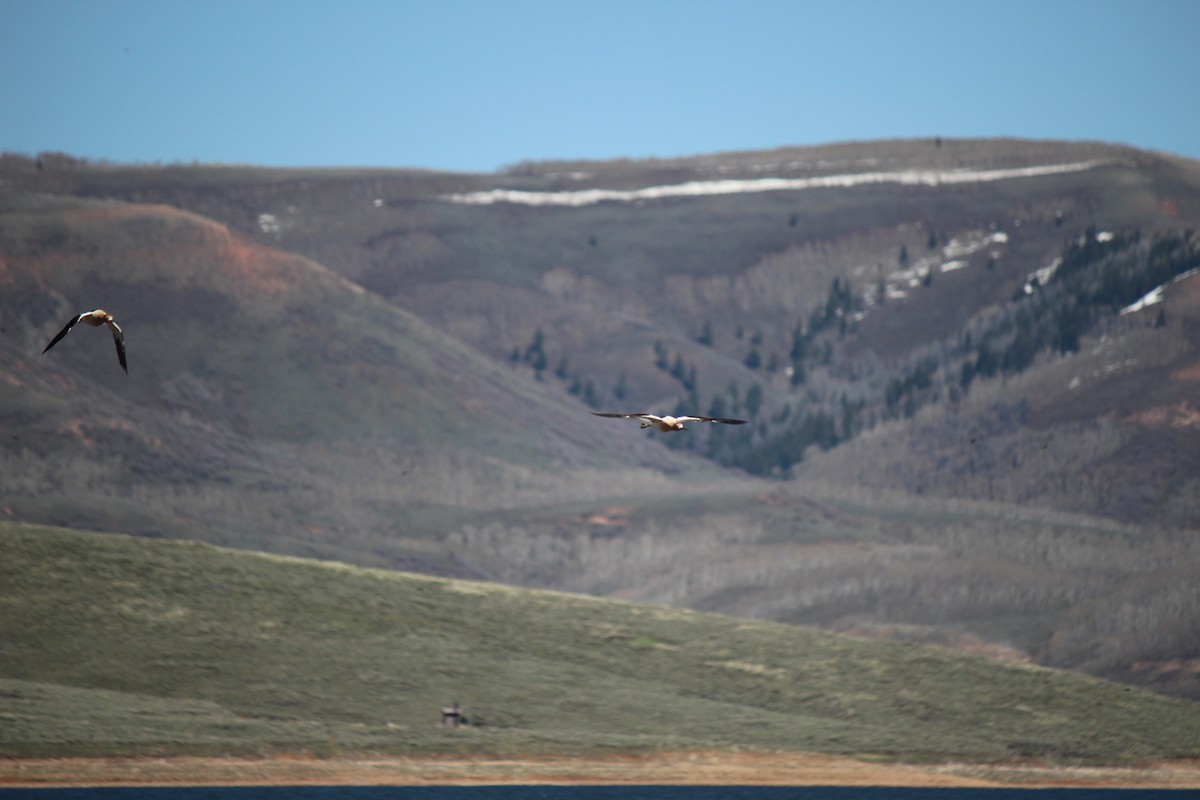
pixel 477 85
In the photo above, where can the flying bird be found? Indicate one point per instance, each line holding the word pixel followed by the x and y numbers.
pixel 668 423
pixel 96 319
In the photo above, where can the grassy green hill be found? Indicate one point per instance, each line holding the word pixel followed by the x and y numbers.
pixel 113 645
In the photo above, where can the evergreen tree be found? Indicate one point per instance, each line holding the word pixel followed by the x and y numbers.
pixel 536 346
pixel 799 344
pixel 754 400
pixel 986 362
pixel 716 408
pixel 538 362
pixel 660 355
pixel 798 376
pixel 967 375
pixel 678 368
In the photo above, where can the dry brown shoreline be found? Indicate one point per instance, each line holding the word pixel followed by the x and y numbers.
pixel 689 768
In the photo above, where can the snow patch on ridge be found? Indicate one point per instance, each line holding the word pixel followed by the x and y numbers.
pixel 584 197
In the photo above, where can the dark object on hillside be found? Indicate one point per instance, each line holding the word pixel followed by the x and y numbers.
pixel 453 717
pixel 668 423
pixel 96 319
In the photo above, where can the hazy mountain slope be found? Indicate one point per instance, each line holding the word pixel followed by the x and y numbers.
pixel 179 647
pixel 890 302
pixel 1017 583
pixel 269 402
pixel 709 283
pixel 1113 429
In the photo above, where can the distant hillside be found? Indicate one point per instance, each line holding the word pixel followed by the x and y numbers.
pixel 184 648
pixel 1017 584
pixel 1111 426
pixel 269 402
pixel 957 434
pixel 821 292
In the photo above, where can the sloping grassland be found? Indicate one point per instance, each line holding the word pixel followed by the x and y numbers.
pixel 118 646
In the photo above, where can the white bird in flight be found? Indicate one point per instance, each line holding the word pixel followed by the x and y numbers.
pixel 668 423
pixel 96 319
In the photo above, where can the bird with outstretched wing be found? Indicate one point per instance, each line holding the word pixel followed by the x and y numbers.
pixel 668 423
pixel 96 319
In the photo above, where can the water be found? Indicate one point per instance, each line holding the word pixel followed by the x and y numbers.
pixel 587 793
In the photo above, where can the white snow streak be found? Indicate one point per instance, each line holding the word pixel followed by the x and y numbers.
pixel 1042 276
pixel 1155 295
pixel 957 248
pixel 1152 297
pixel 584 197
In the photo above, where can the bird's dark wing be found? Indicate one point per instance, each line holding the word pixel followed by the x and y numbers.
pixel 722 420
pixel 64 331
pixel 622 416
pixel 119 340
